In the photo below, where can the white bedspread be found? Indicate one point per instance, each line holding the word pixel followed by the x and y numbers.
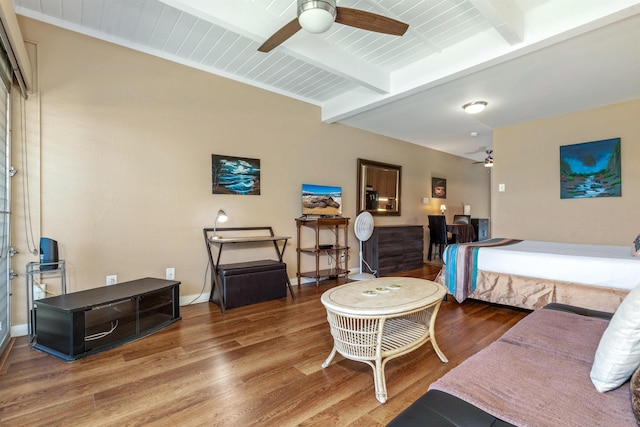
pixel 598 265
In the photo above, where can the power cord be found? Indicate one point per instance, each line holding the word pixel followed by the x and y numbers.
pixel 204 283
pixel 42 288
pixel 100 335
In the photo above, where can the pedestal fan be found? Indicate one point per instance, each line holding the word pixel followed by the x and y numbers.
pixel 363 229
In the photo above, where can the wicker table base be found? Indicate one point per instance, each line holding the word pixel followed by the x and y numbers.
pixel 377 320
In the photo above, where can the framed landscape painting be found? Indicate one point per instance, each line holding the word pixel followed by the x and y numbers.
pixel 235 175
pixel 591 169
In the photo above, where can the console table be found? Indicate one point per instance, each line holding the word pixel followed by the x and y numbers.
pixel 377 320
pixel 233 285
pixel 79 324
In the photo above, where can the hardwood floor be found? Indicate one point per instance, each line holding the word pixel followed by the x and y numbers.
pixel 258 365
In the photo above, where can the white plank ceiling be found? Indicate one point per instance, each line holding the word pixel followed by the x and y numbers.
pixel 529 59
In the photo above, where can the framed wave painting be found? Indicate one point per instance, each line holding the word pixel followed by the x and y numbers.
pixel 235 175
pixel 591 169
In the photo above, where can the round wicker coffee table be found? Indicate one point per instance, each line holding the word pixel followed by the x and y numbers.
pixel 374 321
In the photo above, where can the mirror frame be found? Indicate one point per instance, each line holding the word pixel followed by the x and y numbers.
pixel 363 164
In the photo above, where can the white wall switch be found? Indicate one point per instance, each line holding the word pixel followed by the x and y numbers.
pixel 501 188
pixel 170 274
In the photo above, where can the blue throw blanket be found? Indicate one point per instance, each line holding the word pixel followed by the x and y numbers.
pixel 461 265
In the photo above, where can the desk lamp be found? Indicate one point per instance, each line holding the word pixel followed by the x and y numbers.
pixel 222 217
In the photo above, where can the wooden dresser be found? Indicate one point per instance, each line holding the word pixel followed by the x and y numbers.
pixel 481 226
pixel 394 248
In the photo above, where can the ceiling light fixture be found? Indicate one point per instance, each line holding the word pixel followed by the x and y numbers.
pixel 475 107
pixel 317 16
pixel 488 162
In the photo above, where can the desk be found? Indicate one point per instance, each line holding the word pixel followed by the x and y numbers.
pixel 279 244
pixel 374 329
pixel 462 233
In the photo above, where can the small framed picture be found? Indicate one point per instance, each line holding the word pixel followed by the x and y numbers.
pixel 438 188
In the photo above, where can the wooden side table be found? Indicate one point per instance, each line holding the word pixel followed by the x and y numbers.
pixel 333 249
pixel 377 320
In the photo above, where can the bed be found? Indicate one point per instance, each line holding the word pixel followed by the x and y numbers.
pixel 530 274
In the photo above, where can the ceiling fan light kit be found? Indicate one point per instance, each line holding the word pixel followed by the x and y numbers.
pixel 488 162
pixel 316 16
pixel 475 107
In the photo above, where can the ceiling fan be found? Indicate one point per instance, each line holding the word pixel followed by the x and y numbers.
pixel 488 161
pixel 316 16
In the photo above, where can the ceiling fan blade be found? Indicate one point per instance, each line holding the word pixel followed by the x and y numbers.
pixel 478 150
pixel 370 21
pixel 280 36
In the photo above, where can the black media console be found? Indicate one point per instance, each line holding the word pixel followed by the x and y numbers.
pixel 79 324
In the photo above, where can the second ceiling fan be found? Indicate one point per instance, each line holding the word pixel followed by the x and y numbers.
pixel 488 161
pixel 316 16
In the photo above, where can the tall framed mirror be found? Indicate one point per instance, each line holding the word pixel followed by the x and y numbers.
pixel 379 187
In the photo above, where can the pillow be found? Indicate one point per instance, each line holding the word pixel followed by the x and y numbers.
pixel 618 353
pixel 635 394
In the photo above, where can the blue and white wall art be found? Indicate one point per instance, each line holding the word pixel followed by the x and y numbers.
pixel 235 175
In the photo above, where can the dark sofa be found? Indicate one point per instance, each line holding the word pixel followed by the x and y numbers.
pixel 437 408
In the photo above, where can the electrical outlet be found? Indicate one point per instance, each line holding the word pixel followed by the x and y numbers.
pixel 170 274
pixel 112 279
pixel 343 256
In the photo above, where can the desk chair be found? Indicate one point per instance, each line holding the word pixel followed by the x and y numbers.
pixel 438 234
pixel 462 219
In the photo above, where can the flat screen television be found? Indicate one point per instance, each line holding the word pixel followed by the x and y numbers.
pixel 321 200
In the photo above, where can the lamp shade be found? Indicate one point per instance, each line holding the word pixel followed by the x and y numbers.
pixel 316 16
pixel 221 216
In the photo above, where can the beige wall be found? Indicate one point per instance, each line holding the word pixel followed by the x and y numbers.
pixel 527 162
pixel 125 143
